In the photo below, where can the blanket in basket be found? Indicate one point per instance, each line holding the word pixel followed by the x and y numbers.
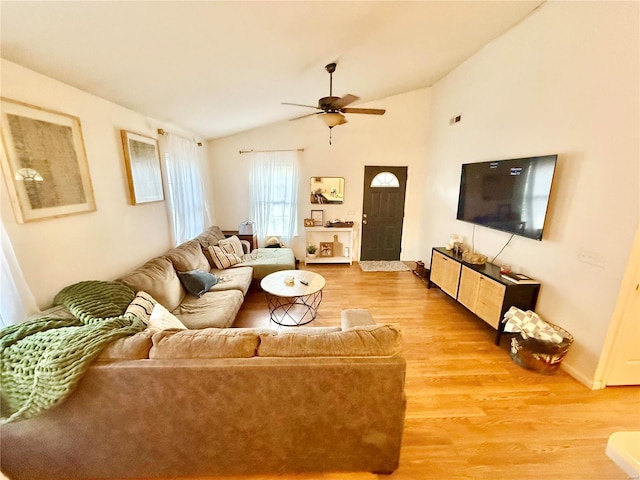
pixel 42 360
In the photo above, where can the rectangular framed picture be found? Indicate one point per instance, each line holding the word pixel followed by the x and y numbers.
pixel 326 249
pixel 318 217
pixel 45 163
pixel 308 222
pixel 142 159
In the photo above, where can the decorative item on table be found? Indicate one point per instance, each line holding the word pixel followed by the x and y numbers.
pixel 308 222
pixel 519 278
pixel 337 245
pixel 474 258
pixel 311 250
pixel 452 241
pixel 336 223
pixel 458 248
pixel 247 227
pixel 541 345
pixel 289 280
pixel 326 249
pixel 505 268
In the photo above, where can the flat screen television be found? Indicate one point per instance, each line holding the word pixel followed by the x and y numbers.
pixel 508 195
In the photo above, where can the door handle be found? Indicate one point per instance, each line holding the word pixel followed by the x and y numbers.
pixel 364 222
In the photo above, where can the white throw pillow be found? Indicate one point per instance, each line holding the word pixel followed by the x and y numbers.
pixel 163 319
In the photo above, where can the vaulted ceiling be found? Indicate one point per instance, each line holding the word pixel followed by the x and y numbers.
pixel 221 67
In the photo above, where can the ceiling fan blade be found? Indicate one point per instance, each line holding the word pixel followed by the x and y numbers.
pixel 300 105
pixel 368 111
pixel 304 116
pixel 344 101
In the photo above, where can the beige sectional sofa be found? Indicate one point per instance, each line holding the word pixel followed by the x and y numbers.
pixel 223 402
pixel 220 305
pixel 212 400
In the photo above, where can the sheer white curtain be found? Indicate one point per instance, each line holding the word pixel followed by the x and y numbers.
pixel 16 300
pixel 274 194
pixel 188 208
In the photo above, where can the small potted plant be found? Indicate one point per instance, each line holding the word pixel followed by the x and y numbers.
pixel 311 250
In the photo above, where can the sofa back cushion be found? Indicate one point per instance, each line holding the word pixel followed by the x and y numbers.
pixel 209 238
pixel 187 257
pixel 367 340
pixel 134 347
pixel 159 279
pixel 205 343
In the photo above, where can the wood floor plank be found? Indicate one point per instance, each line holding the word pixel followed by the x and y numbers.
pixel 472 413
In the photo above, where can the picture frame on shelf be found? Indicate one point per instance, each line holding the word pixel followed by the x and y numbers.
pixel 318 217
pixel 45 163
pixel 326 249
pixel 144 175
pixel 308 222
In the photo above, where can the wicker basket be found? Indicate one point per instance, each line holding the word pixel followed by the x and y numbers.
pixel 540 356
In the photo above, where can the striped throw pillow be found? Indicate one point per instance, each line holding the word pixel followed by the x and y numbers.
pixel 223 258
pixel 141 306
pixel 232 245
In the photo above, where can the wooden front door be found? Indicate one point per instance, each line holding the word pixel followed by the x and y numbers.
pixel 383 212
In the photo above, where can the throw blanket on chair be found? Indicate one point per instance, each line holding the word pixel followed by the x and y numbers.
pixel 42 360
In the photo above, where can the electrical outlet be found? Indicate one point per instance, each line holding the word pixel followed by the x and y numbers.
pixel 592 258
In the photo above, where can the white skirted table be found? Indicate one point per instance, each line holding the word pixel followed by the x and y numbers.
pixel 293 296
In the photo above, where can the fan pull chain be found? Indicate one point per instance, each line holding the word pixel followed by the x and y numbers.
pixel 330 136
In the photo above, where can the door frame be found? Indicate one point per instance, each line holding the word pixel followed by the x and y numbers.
pixel 619 320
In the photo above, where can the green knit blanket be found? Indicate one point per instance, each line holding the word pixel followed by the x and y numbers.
pixel 42 360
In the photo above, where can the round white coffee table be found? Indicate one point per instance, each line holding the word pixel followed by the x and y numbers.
pixel 293 304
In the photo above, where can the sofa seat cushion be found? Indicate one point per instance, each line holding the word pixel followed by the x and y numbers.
pixel 205 343
pixel 268 260
pixel 233 279
pixel 188 256
pixel 159 279
pixel 213 309
pixel 369 340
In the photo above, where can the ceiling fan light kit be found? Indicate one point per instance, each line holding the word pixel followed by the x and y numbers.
pixel 332 119
pixel 332 109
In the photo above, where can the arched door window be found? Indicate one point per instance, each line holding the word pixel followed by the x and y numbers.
pixel 385 179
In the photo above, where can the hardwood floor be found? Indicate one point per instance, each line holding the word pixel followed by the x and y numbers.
pixel 471 412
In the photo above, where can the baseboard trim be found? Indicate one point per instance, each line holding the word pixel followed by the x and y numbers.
pixel 580 377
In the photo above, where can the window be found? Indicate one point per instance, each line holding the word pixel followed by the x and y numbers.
pixel 385 179
pixel 188 209
pixel 274 194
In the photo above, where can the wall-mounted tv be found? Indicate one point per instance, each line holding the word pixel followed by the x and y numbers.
pixel 508 195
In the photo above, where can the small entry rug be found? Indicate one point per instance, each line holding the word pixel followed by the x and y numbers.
pixel 383 266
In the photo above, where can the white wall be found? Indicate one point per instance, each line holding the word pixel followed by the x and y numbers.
pixel 397 138
pixel 101 245
pixel 566 81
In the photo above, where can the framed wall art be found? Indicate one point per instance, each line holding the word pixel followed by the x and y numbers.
pixel 142 159
pixel 326 249
pixel 318 217
pixel 44 162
